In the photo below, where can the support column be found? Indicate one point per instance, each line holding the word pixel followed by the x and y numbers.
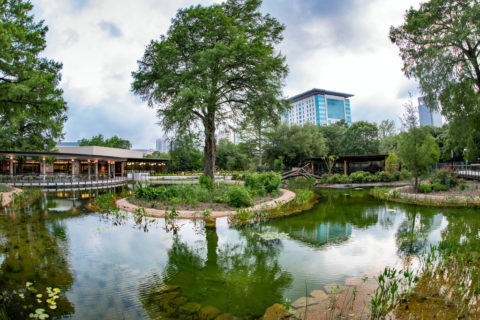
pixel 109 169
pixel 345 167
pixel 11 165
pixel 96 170
pixel 88 169
pixel 44 169
pixel 73 168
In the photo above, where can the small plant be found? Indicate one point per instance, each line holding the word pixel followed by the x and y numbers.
pixel 239 197
pixel 206 182
pixel 171 215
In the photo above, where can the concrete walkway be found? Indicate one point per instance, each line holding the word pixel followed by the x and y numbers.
pixel 285 197
pixel 7 196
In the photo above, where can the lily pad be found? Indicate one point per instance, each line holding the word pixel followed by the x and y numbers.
pixel 274 236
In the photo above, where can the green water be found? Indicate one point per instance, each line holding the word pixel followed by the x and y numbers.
pixel 113 266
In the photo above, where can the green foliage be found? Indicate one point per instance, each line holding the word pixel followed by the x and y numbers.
pixel 338 178
pixel 239 197
pixel 439 46
pixel 391 163
pixel 301 183
pixel 360 176
pixel 360 138
pixel 113 142
pixel 278 164
pixel 104 201
pixel 424 188
pixel 295 144
pixel 185 155
pixel 446 177
pixel 32 110
pixel 238 176
pixel 5 188
pixel 262 183
pixel 229 157
pixel 206 182
pixel 303 196
pixel 333 134
pixel 214 61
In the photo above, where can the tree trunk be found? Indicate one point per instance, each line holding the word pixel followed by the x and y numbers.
pixel 260 151
pixel 209 149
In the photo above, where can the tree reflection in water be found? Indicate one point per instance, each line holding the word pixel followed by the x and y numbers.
pixel 33 248
pixel 219 276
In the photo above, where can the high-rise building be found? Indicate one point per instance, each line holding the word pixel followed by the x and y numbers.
pixel 163 144
pixel 320 107
pixel 428 117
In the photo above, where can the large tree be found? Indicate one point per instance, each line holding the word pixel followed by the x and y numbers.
pixel 113 142
pixel 32 110
pixel 214 63
pixel 360 138
pixel 440 47
pixel 333 134
pixel 416 149
pixel 295 144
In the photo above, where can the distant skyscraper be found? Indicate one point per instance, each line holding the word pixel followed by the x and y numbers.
pixel 163 144
pixel 320 107
pixel 428 117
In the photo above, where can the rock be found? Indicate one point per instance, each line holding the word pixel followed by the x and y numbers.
pixel 353 281
pixel 225 316
pixel 166 288
pixel 304 301
pixel 334 288
pixel 209 313
pixel 190 308
pixel 276 312
pixel 319 295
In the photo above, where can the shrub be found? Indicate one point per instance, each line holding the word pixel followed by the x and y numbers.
pixel 205 182
pixel 239 197
pixel 360 176
pixel 301 183
pixel 424 188
pixel 238 176
pixel 261 183
pixel 439 187
pixel 404 175
pixel 384 176
pixel 391 163
pixel 446 177
pixel 324 178
pixel 338 178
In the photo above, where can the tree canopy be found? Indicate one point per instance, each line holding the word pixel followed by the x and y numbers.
pixel 333 135
pixel 440 47
pixel 214 62
pixel 32 110
pixel 113 142
pixel 295 144
pixel 360 138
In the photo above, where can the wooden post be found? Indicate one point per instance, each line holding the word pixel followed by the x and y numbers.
pixel 345 167
pixel 89 169
pixel 73 168
pixel 96 170
pixel 109 169
pixel 11 165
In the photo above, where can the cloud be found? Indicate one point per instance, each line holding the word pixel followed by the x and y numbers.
pixel 335 45
pixel 110 28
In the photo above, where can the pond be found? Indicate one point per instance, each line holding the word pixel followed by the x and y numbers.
pixel 122 266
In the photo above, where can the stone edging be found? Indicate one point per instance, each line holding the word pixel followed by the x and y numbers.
pixel 7 196
pixel 430 199
pixel 285 197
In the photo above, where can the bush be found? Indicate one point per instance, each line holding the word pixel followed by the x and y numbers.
pixel 424 188
pixel 205 182
pixel 239 197
pixel 404 175
pixel 324 178
pixel 238 176
pixel 391 163
pixel 261 183
pixel 446 177
pixel 360 176
pixel 301 183
pixel 384 176
pixel 439 187
pixel 338 178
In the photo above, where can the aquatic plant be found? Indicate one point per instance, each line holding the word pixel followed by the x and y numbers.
pixel 274 235
pixel 40 302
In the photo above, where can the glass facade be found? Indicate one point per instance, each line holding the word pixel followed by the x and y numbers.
pixel 319 109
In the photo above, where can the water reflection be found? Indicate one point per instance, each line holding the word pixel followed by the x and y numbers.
pixel 219 276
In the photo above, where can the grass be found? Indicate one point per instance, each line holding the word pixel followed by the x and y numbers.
pixel 5 188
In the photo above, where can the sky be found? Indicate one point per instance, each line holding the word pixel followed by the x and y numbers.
pixel 338 45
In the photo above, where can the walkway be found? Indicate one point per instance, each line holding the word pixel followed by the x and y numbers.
pixel 67 183
pixel 285 197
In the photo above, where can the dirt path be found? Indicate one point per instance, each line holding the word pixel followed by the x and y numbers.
pixel 7 196
pixel 285 197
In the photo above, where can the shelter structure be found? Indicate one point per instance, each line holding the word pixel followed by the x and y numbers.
pixel 369 162
pixel 87 161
